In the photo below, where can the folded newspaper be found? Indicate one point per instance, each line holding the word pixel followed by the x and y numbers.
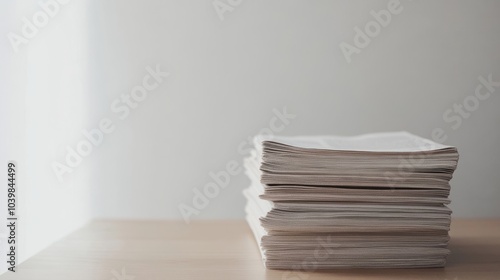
pixel 376 200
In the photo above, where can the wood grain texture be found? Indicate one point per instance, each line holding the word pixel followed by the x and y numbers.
pixel 149 250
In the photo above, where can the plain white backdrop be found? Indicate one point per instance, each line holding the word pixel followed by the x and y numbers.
pixel 226 77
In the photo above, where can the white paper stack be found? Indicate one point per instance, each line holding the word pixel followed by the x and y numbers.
pixel 375 200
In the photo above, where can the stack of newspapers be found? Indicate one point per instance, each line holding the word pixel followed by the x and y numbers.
pixel 377 200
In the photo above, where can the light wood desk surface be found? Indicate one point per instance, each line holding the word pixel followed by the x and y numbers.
pixel 149 250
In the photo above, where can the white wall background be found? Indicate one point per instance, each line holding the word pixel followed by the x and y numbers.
pixel 43 106
pixel 226 78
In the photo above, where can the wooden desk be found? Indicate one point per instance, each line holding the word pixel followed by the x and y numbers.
pixel 148 250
